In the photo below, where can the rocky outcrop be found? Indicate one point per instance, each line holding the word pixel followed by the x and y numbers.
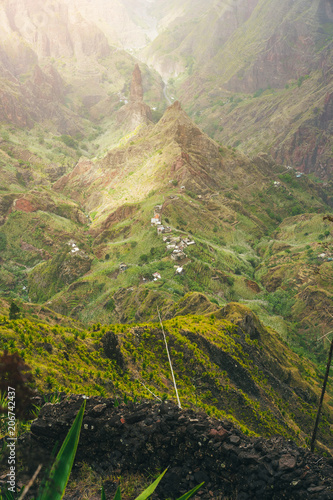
pixel 136 92
pixel 35 200
pixel 56 30
pixel 40 98
pixel 48 84
pixel 136 112
pixel 196 448
pixel 308 148
pixel 13 108
pixel 31 33
pixel 122 213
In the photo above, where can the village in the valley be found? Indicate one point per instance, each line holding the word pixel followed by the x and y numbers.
pixel 177 244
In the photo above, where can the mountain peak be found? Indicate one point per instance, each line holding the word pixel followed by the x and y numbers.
pixel 136 85
pixel 176 106
pixel 175 112
pixel 136 112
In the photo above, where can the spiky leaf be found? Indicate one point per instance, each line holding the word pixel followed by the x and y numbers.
pixel 150 490
pixel 190 493
pixel 118 494
pixel 56 483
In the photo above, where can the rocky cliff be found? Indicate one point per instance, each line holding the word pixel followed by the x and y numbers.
pixel 135 112
pixel 236 52
pixel 255 74
pixel 87 74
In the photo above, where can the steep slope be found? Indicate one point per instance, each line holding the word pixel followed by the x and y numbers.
pixel 60 69
pixel 225 363
pixel 260 89
pixel 182 27
pixel 217 204
pixel 297 269
pixel 175 149
pixel 234 52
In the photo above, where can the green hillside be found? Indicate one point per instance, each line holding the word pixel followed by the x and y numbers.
pixel 166 159
pixel 225 362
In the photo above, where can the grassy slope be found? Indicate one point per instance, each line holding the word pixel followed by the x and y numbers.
pixel 227 221
pixel 247 374
pixel 227 214
pixel 282 113
pixel 231 219
pixel 293 269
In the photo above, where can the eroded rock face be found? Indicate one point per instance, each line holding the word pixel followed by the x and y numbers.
pixel 136 112
pixel 121 213
pixel 307 147
pixel 12 108
pixel 147 436
pixel 136 85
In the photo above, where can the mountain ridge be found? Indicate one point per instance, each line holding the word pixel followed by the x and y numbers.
pixel 256 89
pixel 115 209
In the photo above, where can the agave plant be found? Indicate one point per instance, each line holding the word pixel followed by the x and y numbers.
pixel 57 480
pixel 150 490
pixel 55 485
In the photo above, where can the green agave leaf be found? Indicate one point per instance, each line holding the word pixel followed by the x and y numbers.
pixel 118 494
pixel 190 493
pixel 103 494
pixel 150 490
pixel 57 481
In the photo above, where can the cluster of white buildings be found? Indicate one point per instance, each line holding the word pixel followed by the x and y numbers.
pixel 73 246
pixel 175 243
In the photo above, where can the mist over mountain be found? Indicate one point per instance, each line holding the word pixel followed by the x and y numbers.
pixel 255 74
pixel 173 159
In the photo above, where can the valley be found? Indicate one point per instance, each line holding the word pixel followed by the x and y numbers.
pixel 171 157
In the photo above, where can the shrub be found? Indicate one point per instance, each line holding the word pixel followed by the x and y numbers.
pixel 14 311
pixel 301 80
pixel 296 210
pixel 143 258
pixel 3 241
pixel 69 141
pixel 258 93
pixel 281 302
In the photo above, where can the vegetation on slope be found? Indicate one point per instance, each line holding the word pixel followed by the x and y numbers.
pixel 226 363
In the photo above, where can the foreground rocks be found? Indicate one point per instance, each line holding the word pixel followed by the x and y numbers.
pixel 148 437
